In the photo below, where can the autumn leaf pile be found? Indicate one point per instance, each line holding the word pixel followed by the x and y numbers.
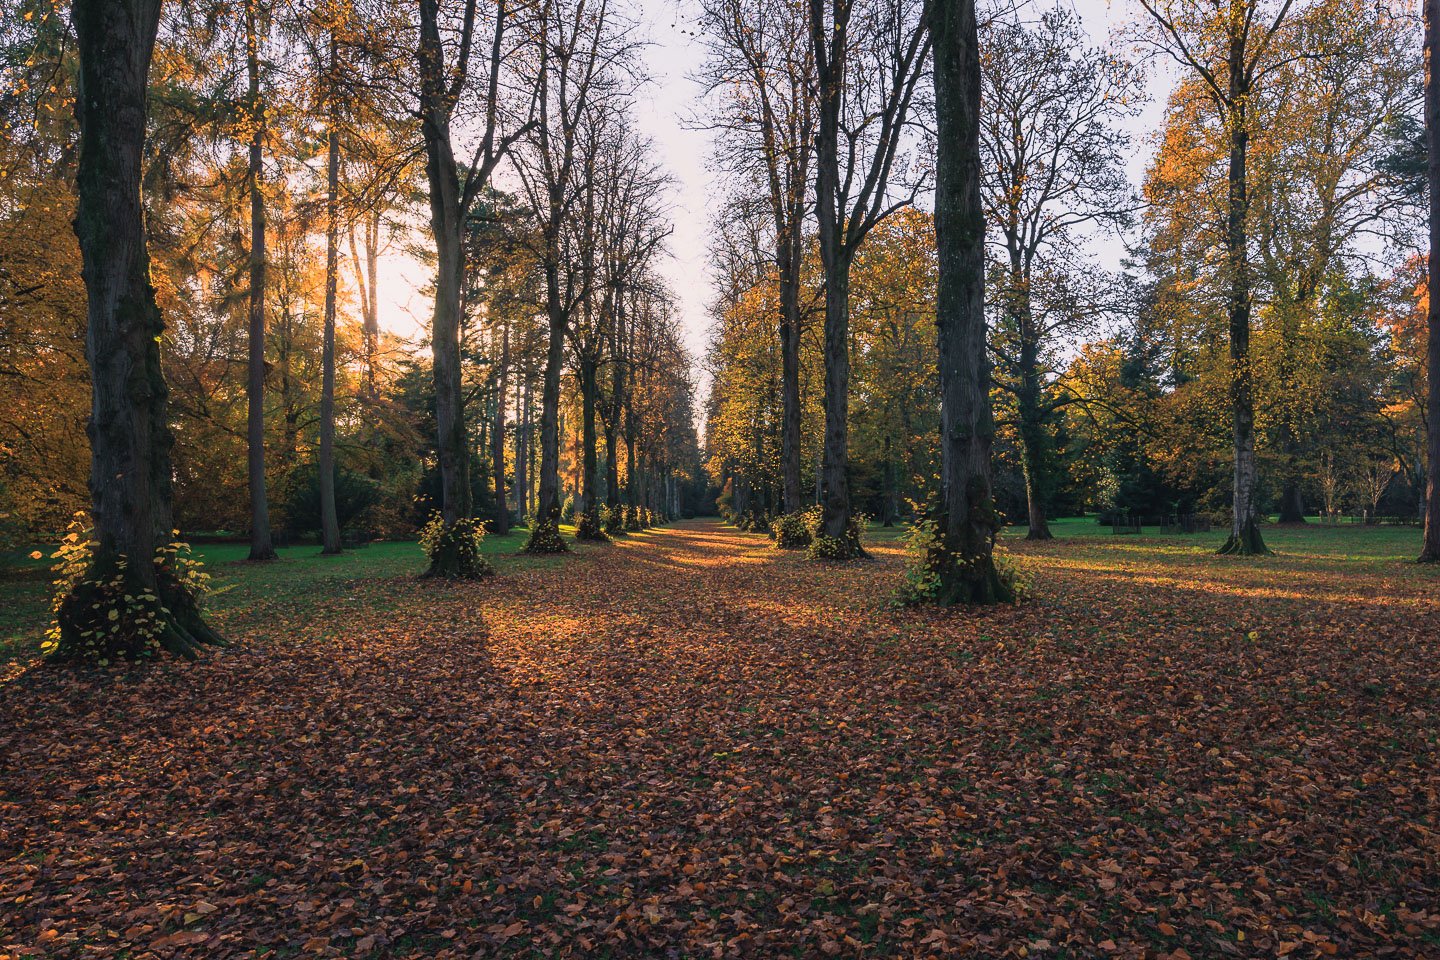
pixel 689 745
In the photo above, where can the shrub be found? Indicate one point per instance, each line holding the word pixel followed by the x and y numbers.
pixel 923 583
pixel 794 531
pixel 587 525
pixel 545 537
pixel 454 548
pixel 110 616
pixel 612 520
pixel 847 547
pixel 355 494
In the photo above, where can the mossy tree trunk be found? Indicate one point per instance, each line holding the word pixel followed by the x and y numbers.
pixel 261 545
pixel 130 439
pixel 1430 553
pixel 329 522
pixel 962 554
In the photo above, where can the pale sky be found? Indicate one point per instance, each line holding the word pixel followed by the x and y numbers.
pixel 664 108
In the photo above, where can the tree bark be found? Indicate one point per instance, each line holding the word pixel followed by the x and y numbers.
pixel 261 546
pixel 1245 538
pixel 329 522
pixel 522 447
pixel 962 555
pixel 791 252
pixel 836 257
pixel 497 434
pixel 545 532
pixel 130 438
pixel 1034 441
pixel 588 523
pixel 1430 553
pixel 446 224
pixel 1292 501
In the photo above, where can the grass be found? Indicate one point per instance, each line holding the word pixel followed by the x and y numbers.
pixel 301 578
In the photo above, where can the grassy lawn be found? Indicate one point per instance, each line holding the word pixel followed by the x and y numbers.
pixel 301 578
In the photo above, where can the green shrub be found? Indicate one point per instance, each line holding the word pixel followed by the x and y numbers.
pixel 923 582
pixel 795 531
pixel 847 547
pixel 454 548
pixel 545 537
pixel 108 616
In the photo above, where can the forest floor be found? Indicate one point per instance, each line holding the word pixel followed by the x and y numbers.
pixel 689 745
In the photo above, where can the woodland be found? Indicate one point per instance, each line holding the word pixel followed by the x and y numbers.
pixel 1035 554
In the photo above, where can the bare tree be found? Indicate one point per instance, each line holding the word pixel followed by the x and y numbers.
pixel 762 67
pixel 577 64
pixel 869 57
pixel 1050 140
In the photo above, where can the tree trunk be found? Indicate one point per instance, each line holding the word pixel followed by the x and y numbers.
pixel 1292 501
pixel 497 435
pixel 545 531
pixel 588 523
pixel 522 447
pixel 447 227
pixel 261 547
pixel 961 556
pixel 367 286
pixel 836 517
pixel 841 539
pixel 329 523
pixel 1431 550
pixel 791 251
pixel 1033 439
pixel 1245 538
pixel 130 439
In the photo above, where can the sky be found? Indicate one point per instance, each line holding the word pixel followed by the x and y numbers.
pixel 666 108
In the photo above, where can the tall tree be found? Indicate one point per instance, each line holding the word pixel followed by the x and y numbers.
pixel 132 599
pixel 1230 47
pixel 762 64
pixel 261 548
pixel 329 521
pixel 442 84
pixel 1430 552
pixel 1050 137
pixel 576 64
pixel 869 58
pixel 962 555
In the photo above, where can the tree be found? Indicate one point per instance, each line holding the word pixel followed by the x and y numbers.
pixel 869 58
pixel 1320 189
pixel 576 66
pixel 1430 552
pixel 451 197
pixel 1230 48
pixel 133 598
pixel 261 548
pixel 762 65
pixel 1050 139
pixel 961 558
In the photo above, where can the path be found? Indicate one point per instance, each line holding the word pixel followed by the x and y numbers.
pixel 688 745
